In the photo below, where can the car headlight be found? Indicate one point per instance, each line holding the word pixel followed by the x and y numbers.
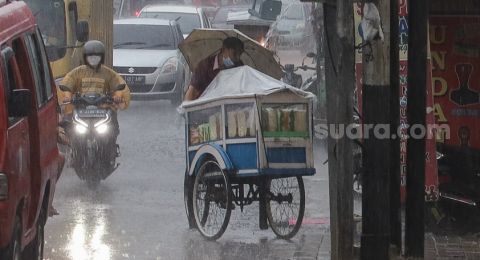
pixel 80 129
pixel 170 65
pixel 3 186
pixel 262 42
pixel 102 129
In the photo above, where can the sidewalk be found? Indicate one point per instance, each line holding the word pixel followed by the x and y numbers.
pixel 324 249
pixel 452 247
pixel 436 248
pixel 315 247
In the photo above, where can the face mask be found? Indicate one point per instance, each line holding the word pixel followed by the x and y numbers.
pixel 94 60
pixel 228 63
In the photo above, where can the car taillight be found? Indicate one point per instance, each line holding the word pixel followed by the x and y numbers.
pixel 3 186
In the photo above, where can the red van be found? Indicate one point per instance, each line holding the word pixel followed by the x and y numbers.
pixel 29 158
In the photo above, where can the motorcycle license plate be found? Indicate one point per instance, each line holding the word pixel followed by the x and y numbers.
pixel 134 80
pixel 95 113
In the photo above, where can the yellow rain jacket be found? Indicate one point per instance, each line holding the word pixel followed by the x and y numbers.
pixel 84 79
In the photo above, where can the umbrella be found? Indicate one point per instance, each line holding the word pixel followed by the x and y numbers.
pixel 202 43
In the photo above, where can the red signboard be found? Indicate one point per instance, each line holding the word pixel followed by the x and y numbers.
pixel 431 166
pixel 455 51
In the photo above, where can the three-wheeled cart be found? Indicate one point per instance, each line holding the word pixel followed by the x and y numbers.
pixel 248 139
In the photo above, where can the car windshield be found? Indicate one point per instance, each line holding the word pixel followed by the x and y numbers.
pixel 141 36
pixel 222 13
pixel 187 21
pixel 294 12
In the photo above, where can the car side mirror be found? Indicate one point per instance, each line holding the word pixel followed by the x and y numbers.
pixel 82 31
pixel 20 103
pixel 270 9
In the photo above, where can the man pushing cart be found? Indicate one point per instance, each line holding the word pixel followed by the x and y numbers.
pixel 248 139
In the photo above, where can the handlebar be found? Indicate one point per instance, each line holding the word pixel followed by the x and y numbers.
pixel 291 67
pixel 77 99
pixel 303 67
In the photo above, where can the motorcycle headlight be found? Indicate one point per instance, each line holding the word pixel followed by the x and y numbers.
pixel 102 129
pixel 170 65
pixel 102 126
pixel 79 121
pixel 263 42
pixel 80 129
pixel 439 155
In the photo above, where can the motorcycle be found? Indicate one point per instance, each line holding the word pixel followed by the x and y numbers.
pixel 459 175
pixel 292 78
pixel 92 136
pixel 313 84
pixel 310 83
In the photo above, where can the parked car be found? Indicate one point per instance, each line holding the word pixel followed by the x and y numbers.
pixel 292 29
pixel 188 17
pixel 30 162
pixel 220 18
pixel 146 54
pixel 131 8
pixel 209 11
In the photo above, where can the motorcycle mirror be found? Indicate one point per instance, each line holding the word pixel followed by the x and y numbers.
pixel 120 87
pixel 82 31
pixel 289 67
pixel 311 55
pixel 64 88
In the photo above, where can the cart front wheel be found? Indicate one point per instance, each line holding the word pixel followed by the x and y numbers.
pixel 285 205
pixel 211 200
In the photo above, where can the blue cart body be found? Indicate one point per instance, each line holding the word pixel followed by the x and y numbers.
pixel 252 149
pixel 243 134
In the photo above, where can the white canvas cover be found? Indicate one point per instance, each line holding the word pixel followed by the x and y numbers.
pixel 240 82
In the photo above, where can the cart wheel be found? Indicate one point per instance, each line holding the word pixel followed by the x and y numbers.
pixel 211 200
pixel 285 206
pixel 187 196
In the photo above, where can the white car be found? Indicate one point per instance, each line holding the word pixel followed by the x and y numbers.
pixel 189 17
pixel 146 54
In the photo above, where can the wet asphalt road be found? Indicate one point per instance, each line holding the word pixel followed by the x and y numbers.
pixel 138 212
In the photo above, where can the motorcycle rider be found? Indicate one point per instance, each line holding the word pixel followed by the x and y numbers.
pixel 95 77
